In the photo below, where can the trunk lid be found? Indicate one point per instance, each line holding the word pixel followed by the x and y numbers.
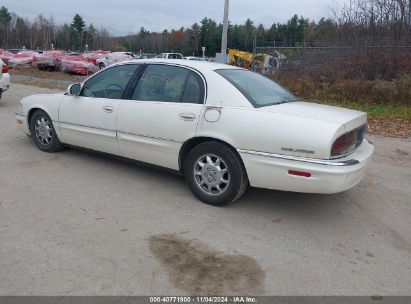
pixel 350 119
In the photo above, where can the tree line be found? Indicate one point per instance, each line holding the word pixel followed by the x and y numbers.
pixel 359 21
pixel 44 33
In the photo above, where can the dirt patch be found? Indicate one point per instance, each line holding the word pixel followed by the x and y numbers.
pixel 199 270
pixel 58 75
pixel 401 152
pixel 390 126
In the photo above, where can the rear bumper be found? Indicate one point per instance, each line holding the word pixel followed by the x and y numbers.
pixel 327 176
pixel 4 82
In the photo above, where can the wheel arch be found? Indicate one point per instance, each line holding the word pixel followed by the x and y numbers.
pixel 195 141
pixel 31 112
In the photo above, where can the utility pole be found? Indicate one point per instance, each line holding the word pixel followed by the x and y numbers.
pixel 225 27
pixel 409 13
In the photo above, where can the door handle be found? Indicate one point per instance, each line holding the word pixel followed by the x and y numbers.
pixel 108 109
pixel 187 116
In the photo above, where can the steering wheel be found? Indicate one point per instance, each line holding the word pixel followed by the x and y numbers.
pixel 114 86
pixel 88 93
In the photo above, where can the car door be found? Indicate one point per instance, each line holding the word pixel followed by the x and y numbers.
pixel 161 114
pixel 89 120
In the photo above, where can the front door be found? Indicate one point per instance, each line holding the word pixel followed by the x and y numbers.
pixel 160 115
pixel 89 120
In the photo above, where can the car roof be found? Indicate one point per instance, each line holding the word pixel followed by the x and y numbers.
pixel 201 66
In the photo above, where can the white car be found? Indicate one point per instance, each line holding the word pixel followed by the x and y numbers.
pixel 170 56
pixel 195 58
pixel 222 127
pixel 113 58
pixel 4 77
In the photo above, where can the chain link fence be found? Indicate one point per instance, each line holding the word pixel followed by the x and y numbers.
pixel 365 61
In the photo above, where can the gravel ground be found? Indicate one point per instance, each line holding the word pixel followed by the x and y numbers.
pixel 79 223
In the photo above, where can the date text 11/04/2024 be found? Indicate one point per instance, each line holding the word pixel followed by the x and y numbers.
pixel 203 299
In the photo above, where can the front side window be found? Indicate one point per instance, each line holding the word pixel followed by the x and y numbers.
pixel 259 90
pixel 109 83
pixel 162 83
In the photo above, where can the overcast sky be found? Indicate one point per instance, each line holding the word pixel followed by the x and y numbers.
pixel 122 17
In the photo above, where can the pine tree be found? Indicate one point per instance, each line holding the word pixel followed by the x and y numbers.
pixel 77 27
pixel 5 19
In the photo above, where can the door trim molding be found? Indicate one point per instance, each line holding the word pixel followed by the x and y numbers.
pixel 148 136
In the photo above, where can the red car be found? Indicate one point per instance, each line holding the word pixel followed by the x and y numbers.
pixel 49 59
pixel 5 56
pixel 93 56
pixel 77 65
pixel 22 59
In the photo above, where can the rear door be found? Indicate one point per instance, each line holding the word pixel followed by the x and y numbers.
pixel 161 114
pixel 89 120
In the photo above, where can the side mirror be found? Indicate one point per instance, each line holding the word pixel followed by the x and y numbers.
pixel 74 89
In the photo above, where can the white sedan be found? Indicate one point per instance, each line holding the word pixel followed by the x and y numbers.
pixel 4 77
pixel 222 127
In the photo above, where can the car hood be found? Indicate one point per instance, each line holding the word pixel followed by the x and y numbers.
pixel 351 119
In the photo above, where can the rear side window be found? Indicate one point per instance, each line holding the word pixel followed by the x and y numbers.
pixel 175 56
pixel 166 83
pixel 193 92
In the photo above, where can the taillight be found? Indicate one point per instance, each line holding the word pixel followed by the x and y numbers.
pixel 339 146
pixel 350 140
pixel 347 142
pixel 4 68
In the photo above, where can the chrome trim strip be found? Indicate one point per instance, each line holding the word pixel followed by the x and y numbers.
pixel 147 136
pixel 343 163
pixel 118 132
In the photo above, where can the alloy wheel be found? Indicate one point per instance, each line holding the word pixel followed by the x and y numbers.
pixel 211 174
pixel 43 130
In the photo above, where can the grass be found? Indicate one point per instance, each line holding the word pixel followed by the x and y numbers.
pixel 377 110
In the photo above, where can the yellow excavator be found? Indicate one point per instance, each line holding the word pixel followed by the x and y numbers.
pixel 262 63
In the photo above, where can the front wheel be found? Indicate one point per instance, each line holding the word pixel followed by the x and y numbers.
pixel 43 132
pixel 215 174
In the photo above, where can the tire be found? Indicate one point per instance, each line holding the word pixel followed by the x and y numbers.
pixel 101 66
pixel 211 164
pixel 43 132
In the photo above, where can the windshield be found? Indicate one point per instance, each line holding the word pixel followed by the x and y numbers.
pixel 259 90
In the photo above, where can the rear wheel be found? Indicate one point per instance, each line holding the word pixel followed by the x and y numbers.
pixel 43 132
pixel 215 174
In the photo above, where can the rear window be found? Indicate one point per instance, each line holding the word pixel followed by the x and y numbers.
pixel 175 56
pixel 259 90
